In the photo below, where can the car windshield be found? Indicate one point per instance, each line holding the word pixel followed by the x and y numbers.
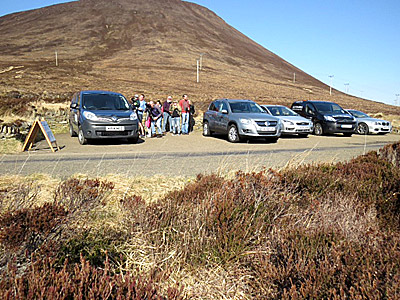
pixel 281 111
pixel 330 108
pixel 358 114
pixel 245 107
pixel 104 102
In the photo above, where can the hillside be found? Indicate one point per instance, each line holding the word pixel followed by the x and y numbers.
pixel 148 46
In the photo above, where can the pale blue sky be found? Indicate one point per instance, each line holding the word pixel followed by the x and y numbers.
pixel 358 41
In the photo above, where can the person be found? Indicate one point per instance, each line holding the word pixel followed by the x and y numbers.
pixel 167 114
pixel 155 119
pixel 192 111
pixel 140 111
pixel 175 118
pixel 136 105
pixel 185 106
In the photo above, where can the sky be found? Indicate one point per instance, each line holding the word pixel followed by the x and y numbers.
pixel 353 45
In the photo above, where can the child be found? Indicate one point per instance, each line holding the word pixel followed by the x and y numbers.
pixel 175 119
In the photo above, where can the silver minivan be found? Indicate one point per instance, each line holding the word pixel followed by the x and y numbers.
pixel 102 115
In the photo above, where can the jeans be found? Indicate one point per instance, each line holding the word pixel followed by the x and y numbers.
pixel 158 124
pixel 175 125
pixel 185 123
pixel 166 117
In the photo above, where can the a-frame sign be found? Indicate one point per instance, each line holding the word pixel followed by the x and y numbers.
pixel 47 133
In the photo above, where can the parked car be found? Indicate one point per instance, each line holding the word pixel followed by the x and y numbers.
pixel 292 122
pixel 366 124
pixel 328 117
pixel 240 119
pixel 102 115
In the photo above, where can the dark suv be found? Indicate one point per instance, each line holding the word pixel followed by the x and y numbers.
pixel 102 115
pixel 328 117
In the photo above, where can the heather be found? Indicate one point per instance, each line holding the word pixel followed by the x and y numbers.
pixel 327 231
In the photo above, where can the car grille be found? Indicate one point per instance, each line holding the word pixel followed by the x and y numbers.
pixel 112 133
pixel 344 121
pixel 303 123
pixel 385 123
pixel 262 123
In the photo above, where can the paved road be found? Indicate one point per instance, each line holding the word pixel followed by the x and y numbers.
pixel 185 155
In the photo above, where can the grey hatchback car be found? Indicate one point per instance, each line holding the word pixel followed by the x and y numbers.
pixel 240 119
pixel 102 115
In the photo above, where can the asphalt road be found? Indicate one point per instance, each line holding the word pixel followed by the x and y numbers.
pixel 185 155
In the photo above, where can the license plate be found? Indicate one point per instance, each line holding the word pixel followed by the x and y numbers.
pixel 115 128
pixel 267 129
pixel 304 128
pixel 347 126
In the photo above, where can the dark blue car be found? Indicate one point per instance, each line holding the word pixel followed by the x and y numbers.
pixel 102 115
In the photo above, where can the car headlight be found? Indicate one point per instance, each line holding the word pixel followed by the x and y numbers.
pixel 90 116
pixel 377 123
pixel 133 116
pixel 245 121
pixel 288 122
pixel 329 118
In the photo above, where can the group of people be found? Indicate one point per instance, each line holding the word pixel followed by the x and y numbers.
pixel 157 119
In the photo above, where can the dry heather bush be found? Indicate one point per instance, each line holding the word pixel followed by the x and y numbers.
pixel 371 179
pixel 306 264
pixel 82 195
pixel 23 195
pixel 43 281
pixel 29 227
pixel 212 220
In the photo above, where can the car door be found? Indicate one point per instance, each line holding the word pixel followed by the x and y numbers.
pixel 223 117
pixel 212 115
pixel 310 112
pixel 74 112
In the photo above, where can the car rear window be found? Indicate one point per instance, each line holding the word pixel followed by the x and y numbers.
pixel 104 102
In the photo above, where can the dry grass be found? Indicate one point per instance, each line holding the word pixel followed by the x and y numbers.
pixel 10 145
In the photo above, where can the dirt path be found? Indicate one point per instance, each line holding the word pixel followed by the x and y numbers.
pixel 185 155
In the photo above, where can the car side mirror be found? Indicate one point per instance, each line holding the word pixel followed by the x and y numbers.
pixel 74 105
pixel 224 111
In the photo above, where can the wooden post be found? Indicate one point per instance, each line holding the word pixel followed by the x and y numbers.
pixel 198 72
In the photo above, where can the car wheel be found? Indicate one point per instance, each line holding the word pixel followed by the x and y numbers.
pixel 271 139
pixel 233 134
pixel 72 132
pixel 206 129
pixel 347 134
pixel 318 130
pixel 133 140
pixel 303 135
pixel 362 128
pixel 82 140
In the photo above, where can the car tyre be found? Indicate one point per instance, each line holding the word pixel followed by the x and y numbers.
pixel 206 129
pixel 271 139
pixel 81 138
pixel 133 140
pixel 362 128
pixel 233 134
pixel 318 130
pixel 72 132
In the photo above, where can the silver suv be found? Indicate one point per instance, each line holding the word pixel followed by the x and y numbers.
pixel 240 119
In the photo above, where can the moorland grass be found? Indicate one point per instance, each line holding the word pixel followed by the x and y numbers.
pixel 327 231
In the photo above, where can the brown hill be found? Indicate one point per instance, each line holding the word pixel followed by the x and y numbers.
pixel 148 46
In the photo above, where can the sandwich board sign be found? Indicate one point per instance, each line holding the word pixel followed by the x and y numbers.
pixel 43 126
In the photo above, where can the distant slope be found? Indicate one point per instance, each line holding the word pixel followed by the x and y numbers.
pixel 148 46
